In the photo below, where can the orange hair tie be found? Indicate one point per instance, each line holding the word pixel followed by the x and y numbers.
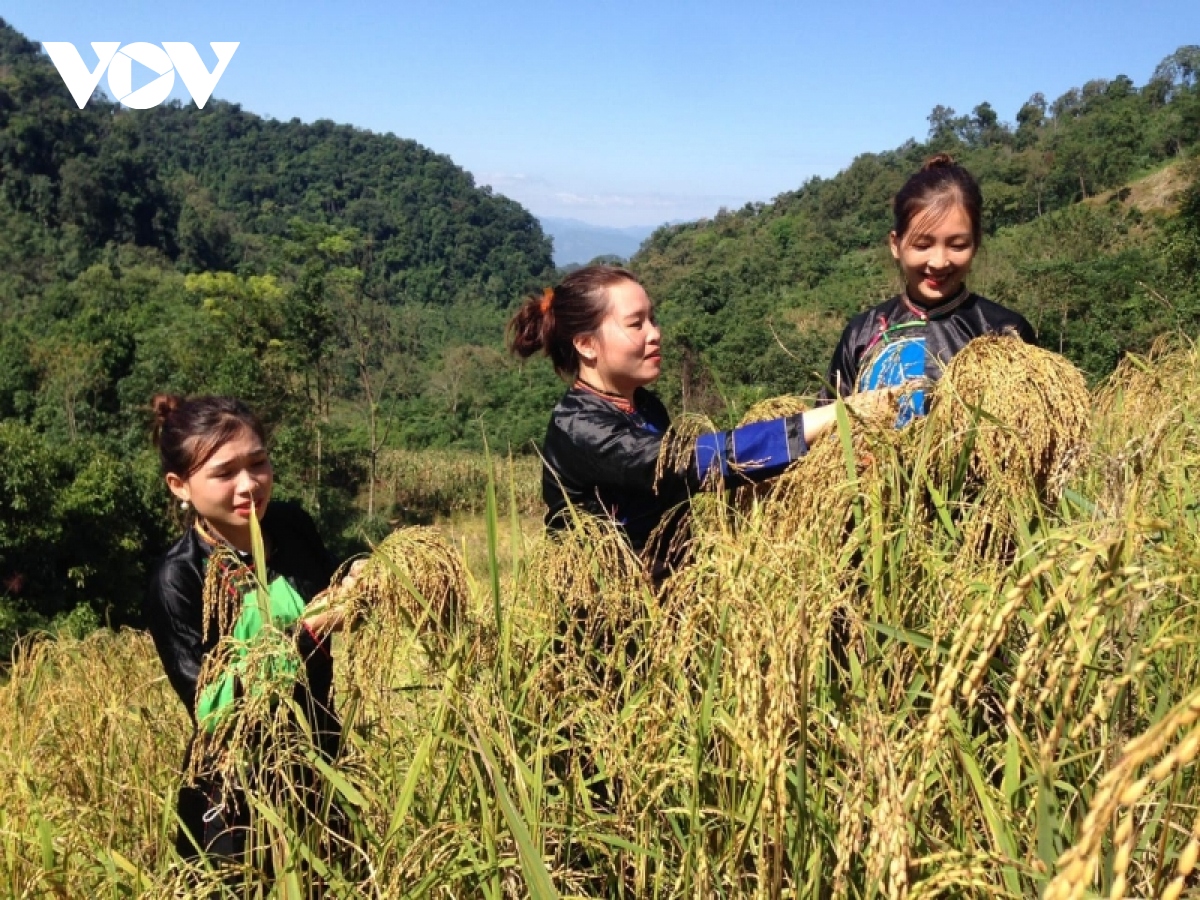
pixel 547 299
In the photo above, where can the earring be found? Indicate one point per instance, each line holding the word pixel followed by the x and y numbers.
pixel 183 505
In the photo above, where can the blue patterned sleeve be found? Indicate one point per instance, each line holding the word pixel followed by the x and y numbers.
pixel 751 452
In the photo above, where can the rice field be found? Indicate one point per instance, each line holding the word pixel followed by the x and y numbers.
pixel 960 659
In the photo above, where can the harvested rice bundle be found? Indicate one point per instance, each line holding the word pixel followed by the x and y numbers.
pixel 407 605
pixel 1019 413
pixel 1143 431
pixel 414 575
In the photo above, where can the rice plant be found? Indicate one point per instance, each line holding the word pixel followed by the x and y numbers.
pixel 957 659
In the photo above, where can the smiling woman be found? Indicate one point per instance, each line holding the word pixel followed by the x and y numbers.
pixel 937 232
pixel 605 437
pixel 234 477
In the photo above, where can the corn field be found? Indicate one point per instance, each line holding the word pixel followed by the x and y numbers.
pixel 959 659
pixel 427 484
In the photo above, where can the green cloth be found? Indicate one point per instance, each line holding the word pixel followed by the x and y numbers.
pixel 286 608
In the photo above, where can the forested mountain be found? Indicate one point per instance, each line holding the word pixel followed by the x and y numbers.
pixel 354 288
pixel 328 275
pixel 754 300
pixel 211 188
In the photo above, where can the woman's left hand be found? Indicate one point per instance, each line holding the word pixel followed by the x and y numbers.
pixel 332 615
pixel 878 403
pixel 331 620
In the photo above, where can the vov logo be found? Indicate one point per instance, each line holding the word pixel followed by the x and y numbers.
pixel 171 57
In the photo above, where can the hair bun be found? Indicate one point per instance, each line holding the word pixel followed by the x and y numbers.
pixel 163 405
pixel 939 161
pixel 526 329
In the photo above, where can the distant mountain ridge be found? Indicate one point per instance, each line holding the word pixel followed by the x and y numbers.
pixel 211 189
pixel 578 243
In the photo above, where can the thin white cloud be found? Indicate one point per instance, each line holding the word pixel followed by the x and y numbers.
pixel 615 209
pixel 497 180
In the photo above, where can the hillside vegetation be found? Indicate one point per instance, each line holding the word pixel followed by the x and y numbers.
pixel 353 287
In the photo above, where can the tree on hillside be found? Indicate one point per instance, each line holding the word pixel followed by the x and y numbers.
pixel 70 372
pixel 1179 71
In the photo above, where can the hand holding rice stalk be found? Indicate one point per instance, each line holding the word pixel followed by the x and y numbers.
pixel 328 610
pixel 414 575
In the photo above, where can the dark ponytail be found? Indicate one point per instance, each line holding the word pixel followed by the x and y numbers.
pixel 188 432
pixel 550 321
pixel 531 327
pixel 940 184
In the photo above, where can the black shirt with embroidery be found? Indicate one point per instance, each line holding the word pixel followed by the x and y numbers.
pixel 601 457
pixel 943 334
pixel 175 611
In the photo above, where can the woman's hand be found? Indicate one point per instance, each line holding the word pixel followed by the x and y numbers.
pixel 323 623
pixel 876 404
pixel 329 613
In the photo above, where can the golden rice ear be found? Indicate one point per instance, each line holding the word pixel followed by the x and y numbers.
pixel 590 591
pixel 776 408
pixel 1013 414
pixel 815 499
pixel 678 446
pixel 414 577
pixel 1145 395
pixel 1142 388
pixel 1143 427
pixel 764 411
pixel 1008 427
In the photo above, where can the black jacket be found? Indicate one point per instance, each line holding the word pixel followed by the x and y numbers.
pixel 174 607
pixel 603 459
pixel 936 338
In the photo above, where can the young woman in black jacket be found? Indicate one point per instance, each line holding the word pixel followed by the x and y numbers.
pixel 937 231
pixel 606 433
pixel 215 462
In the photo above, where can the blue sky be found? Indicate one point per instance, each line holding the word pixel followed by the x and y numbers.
pixel 635 113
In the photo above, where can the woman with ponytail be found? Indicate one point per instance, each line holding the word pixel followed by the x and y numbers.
pixel 215 462
pixel 602 447
pixel 937 230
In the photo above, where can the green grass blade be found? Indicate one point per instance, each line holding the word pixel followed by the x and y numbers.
pixel 537 878
pixel 259 551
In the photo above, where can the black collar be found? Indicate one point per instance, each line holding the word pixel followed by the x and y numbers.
pixel 935 312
